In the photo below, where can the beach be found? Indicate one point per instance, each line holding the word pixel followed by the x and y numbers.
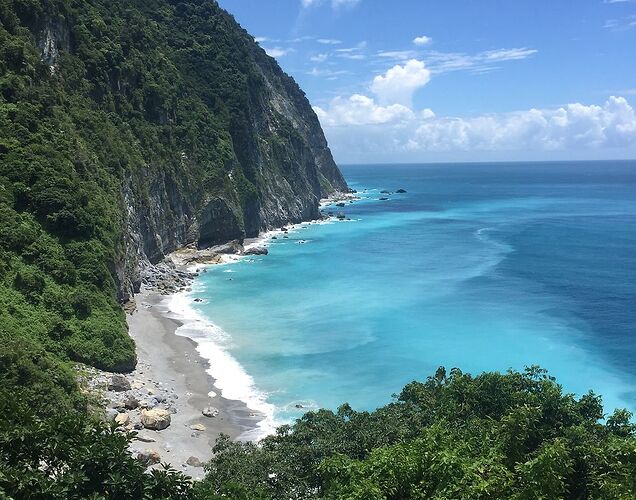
pixel 169 364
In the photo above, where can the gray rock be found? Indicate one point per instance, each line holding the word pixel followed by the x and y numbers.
pixel 118 383
pixel 131 402
pixel 111 414
pixel 149 457
pixel 194 462
pixel 256 251
pixel 210 411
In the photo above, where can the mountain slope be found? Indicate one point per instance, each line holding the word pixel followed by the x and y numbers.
pixel 129 129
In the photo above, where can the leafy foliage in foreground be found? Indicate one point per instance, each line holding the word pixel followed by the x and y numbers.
pixel 513 435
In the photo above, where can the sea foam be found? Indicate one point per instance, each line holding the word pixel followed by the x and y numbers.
pixel 230 377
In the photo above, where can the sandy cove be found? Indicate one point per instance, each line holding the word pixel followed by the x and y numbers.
pixel 171 376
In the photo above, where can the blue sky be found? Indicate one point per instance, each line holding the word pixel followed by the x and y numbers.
pixel 446 80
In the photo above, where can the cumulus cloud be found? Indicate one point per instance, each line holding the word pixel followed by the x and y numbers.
pixel 359 128
pixel 422 40
pixel 361 110
pixel 399 83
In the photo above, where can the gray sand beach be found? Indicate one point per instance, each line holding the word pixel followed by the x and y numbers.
pixel 170 363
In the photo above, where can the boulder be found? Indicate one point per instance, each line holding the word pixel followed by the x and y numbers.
pixel 131 402
pixel 341 204
pixel 118 383
pixel 210 411
pixel 256 251
pixel 233 247
pixel 155 419
pixel 384 191
pixel 111 414
pixel 383 199
pixel 149 457
pixel 194 462
pixel 401 191
pixel 198 427
pixel 123 419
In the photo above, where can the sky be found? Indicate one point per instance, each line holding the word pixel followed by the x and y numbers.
pixel 459 80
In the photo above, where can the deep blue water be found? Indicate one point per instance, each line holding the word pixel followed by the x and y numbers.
pixel 477 266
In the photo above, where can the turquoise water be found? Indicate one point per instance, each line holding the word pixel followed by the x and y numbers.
pixel 477 266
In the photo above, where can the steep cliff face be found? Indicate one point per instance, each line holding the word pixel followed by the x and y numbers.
pixel 129 128
pixel 276 163
pixel 278 154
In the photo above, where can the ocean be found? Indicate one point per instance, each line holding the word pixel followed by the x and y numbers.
pixel 482 267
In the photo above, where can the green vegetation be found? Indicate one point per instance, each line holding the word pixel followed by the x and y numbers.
pixel 147 92
pixel 513 435
pixel 97 98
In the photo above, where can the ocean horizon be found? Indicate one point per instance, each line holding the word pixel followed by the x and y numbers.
pixel 479 266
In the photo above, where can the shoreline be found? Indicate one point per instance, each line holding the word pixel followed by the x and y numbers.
pixel 170 366
pixel 174 374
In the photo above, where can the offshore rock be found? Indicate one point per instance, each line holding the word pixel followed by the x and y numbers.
pixel 256 251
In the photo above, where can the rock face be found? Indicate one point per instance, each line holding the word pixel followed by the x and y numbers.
pixel 254 156
pixel 277 166
pixel 155 419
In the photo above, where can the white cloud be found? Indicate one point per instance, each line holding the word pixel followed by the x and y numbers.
pixel 344 3
pixel 400 55
pixel 507 54
pixel 422 40
pixel 359 129
pixel 335 4
pixel 623 24
pixel 319 58
pixel 276 51
pixel 442 62
pixel 327 72
pixel 329 41
pixel 399 83
pixel 361 110
pixel 260 39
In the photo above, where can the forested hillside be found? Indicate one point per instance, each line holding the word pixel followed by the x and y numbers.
pixel 129 128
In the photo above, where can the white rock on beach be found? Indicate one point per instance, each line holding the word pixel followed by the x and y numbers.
pixel 155 419
pixel 210 411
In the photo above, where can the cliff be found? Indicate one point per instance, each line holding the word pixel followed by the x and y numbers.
pixel 130 129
